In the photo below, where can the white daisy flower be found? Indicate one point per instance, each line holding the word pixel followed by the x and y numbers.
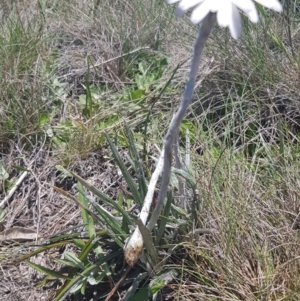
pixel 227 11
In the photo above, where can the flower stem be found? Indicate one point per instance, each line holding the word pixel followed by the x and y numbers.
pixel 134 245
pixel 203 34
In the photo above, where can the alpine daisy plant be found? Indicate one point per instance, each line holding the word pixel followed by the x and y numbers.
pixel 227 14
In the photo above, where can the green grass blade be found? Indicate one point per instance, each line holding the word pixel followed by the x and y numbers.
pixel 104 198
pixel 65 262
pixel 63 192
pixel 149 245
pixel 47 271
pixel 86 250
pixel 87 219
pixel 79 243
pixel 161 281
pixel 74 259
pixel 89 98
pixel 98 250
pixel 67 287
pixel 130 182
pixel 131 141
pixel 137 164
pixel 40 250
pixel 142 294
pixel 112 225
pixel 164 219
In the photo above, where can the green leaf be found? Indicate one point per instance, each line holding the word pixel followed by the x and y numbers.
pixel 47 271
pixel 180 211
pixel 21 168
pixel 67 236
pixel 3 173
pixel 82 99
pixel 2 213
pixel 88 100
pixel 298 59
pixel 113 226
pixel 120 199
pixel 40 250
pixel 64 171
pixel 104 198
pixel 132 146
pixel 74 259
pixel 75 280
pixel 125 226
pixel 163 219
pixel 149 246
pixel 87 219
pixel 65 262
pixel 142 293
pixel 157 285
pixel 186 175
pixel 88 270
pixel 137 164
pixel 43 282
pixel 130 182
pixel 95 280
pixel 86 250
pixel 160 282
pixel 65 193
pixel 83 286
pixel 79 243
pixel 44 118
pixel 136 94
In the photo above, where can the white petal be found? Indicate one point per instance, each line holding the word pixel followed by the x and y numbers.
pixel 272 4
pixel 244 5
pixel 200 12
pixel 172 1
pixel 253 16
pixel 185 5
pixel 248 7
pixel 235 26
pixel 224 14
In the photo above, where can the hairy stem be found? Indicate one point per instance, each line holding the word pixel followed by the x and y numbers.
pixel 203 34
pixel 134 245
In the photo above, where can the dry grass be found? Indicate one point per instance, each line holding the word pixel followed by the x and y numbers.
pixel 253 253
